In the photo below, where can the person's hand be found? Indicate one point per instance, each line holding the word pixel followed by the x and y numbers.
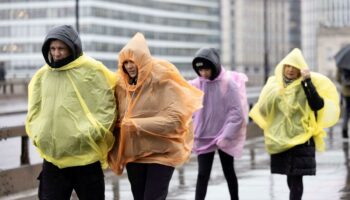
pixel 305 74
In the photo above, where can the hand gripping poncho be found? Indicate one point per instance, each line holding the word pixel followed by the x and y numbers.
pixel 284 113
pixel 155 114
pixel 71 111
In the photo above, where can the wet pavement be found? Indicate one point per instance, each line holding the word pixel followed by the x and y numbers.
pixel 254 178
pixel 332 181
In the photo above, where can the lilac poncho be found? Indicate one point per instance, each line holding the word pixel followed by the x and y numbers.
pixel 221 123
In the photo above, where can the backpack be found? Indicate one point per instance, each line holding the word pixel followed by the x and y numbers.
pixel 345 77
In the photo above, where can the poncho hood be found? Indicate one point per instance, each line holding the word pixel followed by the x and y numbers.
pixel 296 59
pixel 284 113
pixel 136 50
pixel 155 120
pixel 66 34
pixel 211 58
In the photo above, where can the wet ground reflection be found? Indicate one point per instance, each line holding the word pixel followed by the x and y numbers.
pixel 255 181
pixel 346 189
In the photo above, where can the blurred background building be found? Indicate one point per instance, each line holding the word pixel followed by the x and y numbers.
pixel 252 35
pixel 175 30
pixel 333 34
pixel 266 30
pixel 330 40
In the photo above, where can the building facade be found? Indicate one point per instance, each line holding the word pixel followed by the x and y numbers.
pixel 333 34
pixel 266 30
pixel 174 29
pixel 316 16
pixel 335 13
pixel 330 41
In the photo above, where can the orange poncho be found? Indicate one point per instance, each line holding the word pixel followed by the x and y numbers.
pixel 155 118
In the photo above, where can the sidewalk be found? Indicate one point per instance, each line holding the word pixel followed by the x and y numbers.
pixel 255 180
pixel 332 181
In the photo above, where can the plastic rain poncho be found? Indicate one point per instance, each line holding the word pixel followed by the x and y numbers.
pixel 284 113
pixel 71 112
pixel 155 114
pixel 221 123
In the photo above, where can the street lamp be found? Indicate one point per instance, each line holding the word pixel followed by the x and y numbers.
pixel 77 15
pixel 266 49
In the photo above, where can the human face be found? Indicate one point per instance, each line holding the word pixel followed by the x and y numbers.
pixel 291 72
pixel 205 73
pixel 59 50
pixel 130 68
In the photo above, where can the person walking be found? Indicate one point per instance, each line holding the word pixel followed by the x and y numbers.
pixel 154 132
pixel 2 77
pixel 71 115
pixel 343 78
pixel 221 124
pixel 294 107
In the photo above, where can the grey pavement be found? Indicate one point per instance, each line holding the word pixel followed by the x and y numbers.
pixel 255 180
pixel 332 181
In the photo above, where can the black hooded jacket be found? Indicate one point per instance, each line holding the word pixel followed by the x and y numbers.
pixel 210 57
pixel 70 37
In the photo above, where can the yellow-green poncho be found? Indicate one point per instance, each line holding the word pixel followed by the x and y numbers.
pixel 284 113
pixel 71 112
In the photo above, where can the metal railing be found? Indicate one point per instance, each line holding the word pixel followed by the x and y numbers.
pixel 23 177
pixel 14 87
pixel 11 181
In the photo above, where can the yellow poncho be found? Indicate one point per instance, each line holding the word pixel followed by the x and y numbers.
pixel 71 111
pixel 284 113
pixel 155 114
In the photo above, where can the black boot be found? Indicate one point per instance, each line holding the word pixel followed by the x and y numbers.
pixel 345 133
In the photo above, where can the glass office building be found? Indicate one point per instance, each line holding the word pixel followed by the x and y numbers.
pixel 174 29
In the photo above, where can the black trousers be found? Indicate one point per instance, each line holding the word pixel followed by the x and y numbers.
pixel 149 181
pixel 346 116
pixel 58 184
pixel 205 163
pixel 295 184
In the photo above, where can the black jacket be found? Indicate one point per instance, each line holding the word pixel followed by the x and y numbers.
pixel 300 160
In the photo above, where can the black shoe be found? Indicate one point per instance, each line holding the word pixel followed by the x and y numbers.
pixel 345 133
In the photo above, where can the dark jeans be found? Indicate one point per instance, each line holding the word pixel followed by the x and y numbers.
pixel 205 163
pixel 346 116
pixel 149 181
pixel 295 184
pixel 87 181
